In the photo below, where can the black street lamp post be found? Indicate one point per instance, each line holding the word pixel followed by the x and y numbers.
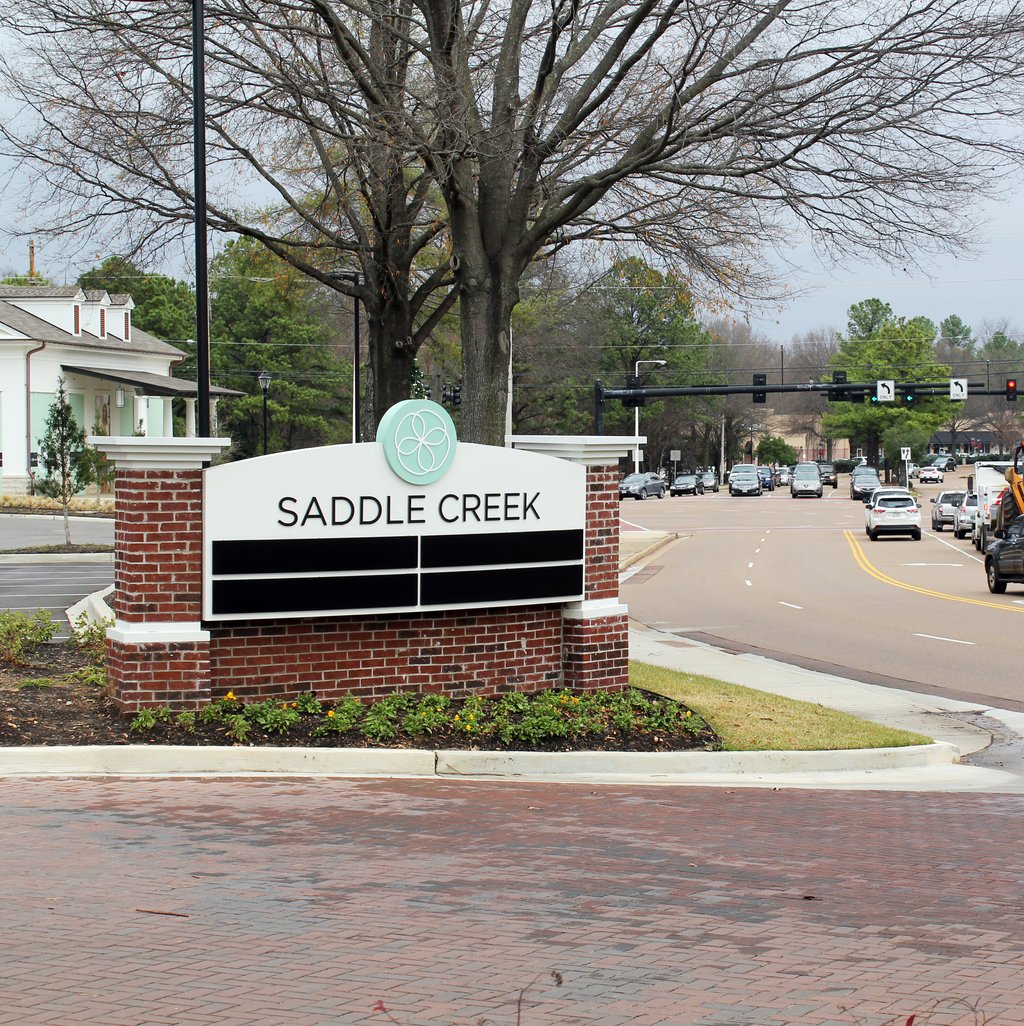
pixel 264 380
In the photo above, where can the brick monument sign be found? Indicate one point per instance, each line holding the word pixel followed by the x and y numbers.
pixel 415 562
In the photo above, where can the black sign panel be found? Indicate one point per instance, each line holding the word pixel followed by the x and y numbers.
pixel 401 572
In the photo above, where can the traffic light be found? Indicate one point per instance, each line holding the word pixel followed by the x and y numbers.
pixel 456 395
pixel 837 395
pixel 633 381
pixel 1011 390
pixel 909 395
pixel 760 397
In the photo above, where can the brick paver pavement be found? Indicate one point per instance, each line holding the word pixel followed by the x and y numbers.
pixel 306 902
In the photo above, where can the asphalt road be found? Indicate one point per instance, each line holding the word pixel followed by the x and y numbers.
pixel 18 531
pixel 799 579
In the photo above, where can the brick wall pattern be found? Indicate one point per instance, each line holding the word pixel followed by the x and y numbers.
pixel 158 579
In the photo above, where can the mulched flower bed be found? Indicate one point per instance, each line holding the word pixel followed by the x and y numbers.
pixel 74 713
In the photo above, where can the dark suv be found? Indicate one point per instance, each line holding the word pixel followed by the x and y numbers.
pixel 1004 560
pixel 828 473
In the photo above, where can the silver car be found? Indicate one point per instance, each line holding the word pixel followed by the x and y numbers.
pixel 806 480
pixel 944 507
pixel 965 515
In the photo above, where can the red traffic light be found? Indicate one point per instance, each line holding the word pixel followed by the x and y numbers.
pixel 1011 390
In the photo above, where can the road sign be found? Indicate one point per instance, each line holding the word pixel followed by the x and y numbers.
pixel 675 455
pixel 958 388
pixel 905 453
pixel 885 391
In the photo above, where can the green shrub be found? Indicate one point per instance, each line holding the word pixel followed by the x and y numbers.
pixel 271 717
pixel 21 634
pixel 147 719
pixel 90 637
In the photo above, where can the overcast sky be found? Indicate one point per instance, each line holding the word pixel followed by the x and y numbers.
pixel 980 288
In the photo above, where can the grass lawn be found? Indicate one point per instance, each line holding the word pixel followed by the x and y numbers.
pixel 749 720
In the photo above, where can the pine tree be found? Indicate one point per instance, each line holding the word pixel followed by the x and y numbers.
pixel 61 451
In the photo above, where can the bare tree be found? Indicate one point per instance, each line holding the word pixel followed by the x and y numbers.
pixel 700 130
pixel 297 159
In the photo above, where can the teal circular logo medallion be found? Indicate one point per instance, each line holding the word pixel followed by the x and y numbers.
pixel 419 440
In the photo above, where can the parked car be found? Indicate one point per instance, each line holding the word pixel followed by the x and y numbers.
pixel 965 515
pixel 767 476
pixel 639 486
pixel 890 512
pixel 782 476
pixel 744 480
pixel 710 480
pixel 931 475
pixel 806 480
pixel 687 484
pixel 913 470
pixel 1004 560
pixel 828 474
pixel 863 481
pixel 947 464
pixel 944 507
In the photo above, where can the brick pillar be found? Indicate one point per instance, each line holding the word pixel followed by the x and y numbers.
pixel 157 651
pixel 595 632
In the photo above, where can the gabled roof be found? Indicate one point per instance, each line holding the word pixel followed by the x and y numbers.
pixel 37 330
pixel 40 292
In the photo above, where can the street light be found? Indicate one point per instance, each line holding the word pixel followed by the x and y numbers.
pixel 636 414
pixel 264 380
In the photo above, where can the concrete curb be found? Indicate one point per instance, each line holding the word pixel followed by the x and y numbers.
pixel 93 605
pixel 680 767
pixel 625 562
pixel 31 558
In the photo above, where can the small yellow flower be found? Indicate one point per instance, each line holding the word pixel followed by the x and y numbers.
pixel 576 701
pixel 284 705
pixel 295 705
pixel 688 713
pixel 456 717
pixel 330 714
pixel 229 697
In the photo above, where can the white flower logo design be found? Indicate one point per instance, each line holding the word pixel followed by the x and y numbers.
pixel 422 443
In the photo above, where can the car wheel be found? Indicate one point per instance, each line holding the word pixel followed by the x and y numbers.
pixel 936 527
pixel 916 535
pixel 820 494
pixel 873 535
pixel 867 532
pixel 995 585
pixel 661 494
pixel 642 495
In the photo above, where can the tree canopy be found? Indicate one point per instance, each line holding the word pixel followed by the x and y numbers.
pixel 434 145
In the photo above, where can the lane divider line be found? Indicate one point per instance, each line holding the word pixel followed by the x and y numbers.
pixel 935 637
pixel 862 562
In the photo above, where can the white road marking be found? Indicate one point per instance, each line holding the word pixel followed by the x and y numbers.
pixel 932 564
pixel 750 566
pixel 1018 602
pixel 756 551
pixel 748 584
pixel 790 604
pixel 935 637
pixel 956 548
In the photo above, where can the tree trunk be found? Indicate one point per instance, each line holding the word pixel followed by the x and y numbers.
pixel 486 304
pixel 391 356
pixel 67 525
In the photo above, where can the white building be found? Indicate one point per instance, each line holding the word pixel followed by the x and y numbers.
pixel 118 378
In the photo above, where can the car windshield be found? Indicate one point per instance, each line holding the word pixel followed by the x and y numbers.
pixel 743 469
pixel 634 479
pixel 811 472
pixel 952 497
pixel 895 502
pixel 863 471
pixel 685 479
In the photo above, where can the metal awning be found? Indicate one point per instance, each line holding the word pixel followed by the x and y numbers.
pixel 149 384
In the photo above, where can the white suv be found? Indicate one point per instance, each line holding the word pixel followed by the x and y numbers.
pixel 965 515
pixel 890 512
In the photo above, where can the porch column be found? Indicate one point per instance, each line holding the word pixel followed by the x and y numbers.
pixel 190 418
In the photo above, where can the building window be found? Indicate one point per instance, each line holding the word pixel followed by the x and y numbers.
pixel 103 323
pixel 78 320
pixel 127 325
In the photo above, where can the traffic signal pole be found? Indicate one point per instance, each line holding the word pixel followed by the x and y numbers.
pixel 849 391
